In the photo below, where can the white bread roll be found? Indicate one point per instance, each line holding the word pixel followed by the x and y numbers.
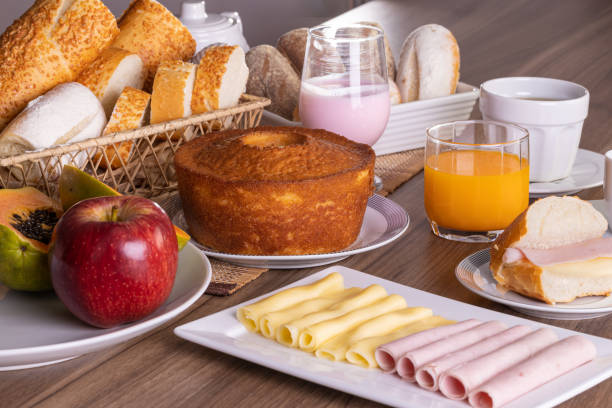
pixel 556 228
pixel 388 52
pixel 154 33
pixel 172 91
pixel 394 93
pixel 429 64
pixel 110 73
pixel 70 112
pixel 129 113
pixel 48 45
pixel 221 78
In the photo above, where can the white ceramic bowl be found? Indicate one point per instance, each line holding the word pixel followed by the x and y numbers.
pixel 554 124
pixel 408 121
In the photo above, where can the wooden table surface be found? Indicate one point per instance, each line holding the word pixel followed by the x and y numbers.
pixel 563 39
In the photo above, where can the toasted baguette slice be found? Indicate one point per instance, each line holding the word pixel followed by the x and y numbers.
pixel 153 32
pixel 548 224
pixel 129 113
pixel 221 78
pixel 172 91
pixel 110 73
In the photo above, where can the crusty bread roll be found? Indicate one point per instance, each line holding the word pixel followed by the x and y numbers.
pixel 272 76
pixel 394 93
pixel 554 251
pixel 221 78
pixel 48 45
pixel 172 91
pixel 129 113
pixel 110 73
pixel 292 45
pixel 388 52
pixel 70 112
pixel 429 64
pixel 154 33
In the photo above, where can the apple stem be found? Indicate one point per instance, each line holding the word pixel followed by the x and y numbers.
pixel 114 214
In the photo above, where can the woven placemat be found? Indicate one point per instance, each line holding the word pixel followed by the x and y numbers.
pixel 394 170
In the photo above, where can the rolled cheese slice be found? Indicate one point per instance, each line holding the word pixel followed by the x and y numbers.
pixel 428 374
pixel 361 353
pixel 388 354
pixel 249 315
pixel 110 73
pixel 314 336
pixel 221 78
pixel 172 90
pixel 459 381
pixel 335 349
pixel 550 363
pixel 129 113
pixel 412 360
pixel 270 322
pixel 289 333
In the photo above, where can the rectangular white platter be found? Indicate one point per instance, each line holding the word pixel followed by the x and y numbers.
pixel 222 331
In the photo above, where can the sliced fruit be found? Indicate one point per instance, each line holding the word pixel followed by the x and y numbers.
pixel 76 185
pixel 27 219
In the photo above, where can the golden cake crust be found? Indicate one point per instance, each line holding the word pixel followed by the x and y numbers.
pixel 274 190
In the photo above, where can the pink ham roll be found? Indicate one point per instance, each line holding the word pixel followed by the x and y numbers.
pixel 459 381
pixel 409 362
pixel 546 365
pixel 387 354
pixel 427 375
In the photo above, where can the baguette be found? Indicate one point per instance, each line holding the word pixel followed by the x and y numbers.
pixel 155 34
pixel 554 252
pixel 45 47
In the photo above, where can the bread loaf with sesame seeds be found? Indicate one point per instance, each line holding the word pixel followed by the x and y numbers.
pixel 155 34
pixel 221 78
pixel 110 73
pixel 48 45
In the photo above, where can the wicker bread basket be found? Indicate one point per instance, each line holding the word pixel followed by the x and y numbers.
pixel 148 170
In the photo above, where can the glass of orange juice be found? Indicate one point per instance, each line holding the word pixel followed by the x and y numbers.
pixel 476 178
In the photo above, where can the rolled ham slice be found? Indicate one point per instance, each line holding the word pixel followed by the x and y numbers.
pixel 412 360
pixel 546 365
pixel 387 354
pixel 582 251
pixel 459 381
pixel 427 375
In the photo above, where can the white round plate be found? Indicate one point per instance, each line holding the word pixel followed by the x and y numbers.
pixel 588 172
pixel 384 221
pixel 38 330
pixel 473 272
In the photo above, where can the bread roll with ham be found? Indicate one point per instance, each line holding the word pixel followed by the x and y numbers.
pixel 429 64
pixel 155 34
pixel 555 252
pixel 110 73
pixel 221 78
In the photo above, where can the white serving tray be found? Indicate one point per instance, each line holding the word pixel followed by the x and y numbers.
pixel 223 332
pixel 408 121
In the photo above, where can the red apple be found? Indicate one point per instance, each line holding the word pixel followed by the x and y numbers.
pixel 113 259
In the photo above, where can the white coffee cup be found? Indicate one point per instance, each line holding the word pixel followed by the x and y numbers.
pixel 552 110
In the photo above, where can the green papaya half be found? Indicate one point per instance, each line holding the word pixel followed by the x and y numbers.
pixel 27 219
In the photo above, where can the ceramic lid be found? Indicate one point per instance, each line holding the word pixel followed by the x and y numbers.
pixel 195 18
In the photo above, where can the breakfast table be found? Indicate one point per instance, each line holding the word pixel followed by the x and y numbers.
pixel 564 39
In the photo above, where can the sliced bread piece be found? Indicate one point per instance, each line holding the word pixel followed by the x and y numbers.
pixel 172 91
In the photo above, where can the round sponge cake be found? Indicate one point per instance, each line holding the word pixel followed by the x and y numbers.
pixel 274 190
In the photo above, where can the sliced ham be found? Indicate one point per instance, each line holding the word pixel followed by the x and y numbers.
pixel 427 375
pixel 412 360
pixel 459 381
pixel 546 365
pixel 387 354
pixel 582 251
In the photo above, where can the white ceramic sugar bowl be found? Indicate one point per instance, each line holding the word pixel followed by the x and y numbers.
pixel 212 28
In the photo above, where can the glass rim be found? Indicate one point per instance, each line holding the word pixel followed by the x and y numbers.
pixel 477 121
pixel 311 32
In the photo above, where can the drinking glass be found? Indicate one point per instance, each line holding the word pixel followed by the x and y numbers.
pixel 476 178
pixel 344 82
